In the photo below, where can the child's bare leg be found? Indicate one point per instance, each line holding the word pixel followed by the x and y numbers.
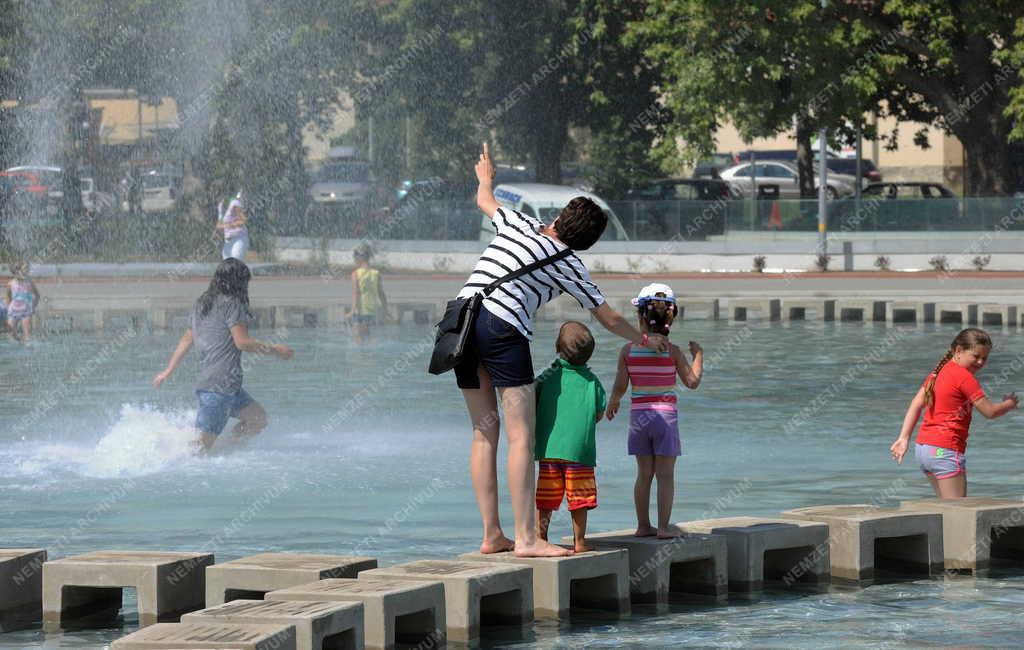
pixel 252 419
pixel 543 521
pixel 483 461
pixel 517 403
pixel 954 487
pixel 204 443
pixel 26 329
pixel 664 471
pixel 579 530
pixel 642 496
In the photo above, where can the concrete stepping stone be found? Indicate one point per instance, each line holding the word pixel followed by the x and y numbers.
pixel 863 537
pixel 475 593
pixel 318 624
pixel 393 610
pixel 909 311
pixel 592 580
pixel 741 309
pixel 824 309
pixel 848 309
pixel 222 636
pixel 964 313
pixel 87 588
pixel 976 529
pixel 690 564
pixel 252 577
pixel 997 315
pixel 761 549
pixel 21 587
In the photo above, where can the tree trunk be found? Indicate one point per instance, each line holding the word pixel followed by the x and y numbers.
pixel 805 158
pixel 987 170
pixel 71 113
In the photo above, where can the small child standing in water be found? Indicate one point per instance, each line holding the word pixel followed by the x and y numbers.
pixel 570 402
pixel 947 397
pixel 22 298
pixel 369 303
pixel 653 418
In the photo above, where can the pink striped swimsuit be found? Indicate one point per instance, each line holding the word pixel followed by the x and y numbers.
pixel 653 418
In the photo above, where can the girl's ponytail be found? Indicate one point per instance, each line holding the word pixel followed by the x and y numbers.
pixel 967 339
pixel 929 388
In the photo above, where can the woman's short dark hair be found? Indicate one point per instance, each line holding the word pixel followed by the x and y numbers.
pixel 581 223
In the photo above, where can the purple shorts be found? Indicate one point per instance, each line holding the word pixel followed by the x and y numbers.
pixel 654 433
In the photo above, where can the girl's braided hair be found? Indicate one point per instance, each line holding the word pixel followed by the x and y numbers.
pixel 967 339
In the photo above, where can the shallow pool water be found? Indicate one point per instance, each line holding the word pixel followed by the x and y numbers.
pixel 94 458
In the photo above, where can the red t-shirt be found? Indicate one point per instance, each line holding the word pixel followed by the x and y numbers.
pixel 946 422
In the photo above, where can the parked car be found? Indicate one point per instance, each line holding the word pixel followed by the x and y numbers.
pixel 160 190
pixel 714 166
pixel 545 202
pixel 785 177
pixel 682 189
pixel 901 206
pixel 909 190
pixel 45 176
pixel 343 182
pixel 848 166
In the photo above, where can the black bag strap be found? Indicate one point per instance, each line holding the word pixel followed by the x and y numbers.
pixel 529 268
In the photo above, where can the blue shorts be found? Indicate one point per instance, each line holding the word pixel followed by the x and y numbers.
pixel 501 349
pixel 216 408
pixel 940 462
pixel 369 319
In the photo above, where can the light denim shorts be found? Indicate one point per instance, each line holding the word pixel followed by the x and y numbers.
pixel 216 408
pixel 940 462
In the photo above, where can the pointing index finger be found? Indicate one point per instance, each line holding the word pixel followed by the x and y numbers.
pixel 486 153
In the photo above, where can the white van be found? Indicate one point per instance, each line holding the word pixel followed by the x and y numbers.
pixel 545 202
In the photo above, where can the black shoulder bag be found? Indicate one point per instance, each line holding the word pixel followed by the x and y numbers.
pixel 460 314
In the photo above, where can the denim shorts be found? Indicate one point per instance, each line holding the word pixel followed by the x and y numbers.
pixel 940 462
pixel 216 408
pixel 502 350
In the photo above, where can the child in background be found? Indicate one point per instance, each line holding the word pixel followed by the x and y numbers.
pixel 570 402
pixel 653 420
pixel 368 299
pixel 22 298
pixel 231 223
pixel 947 397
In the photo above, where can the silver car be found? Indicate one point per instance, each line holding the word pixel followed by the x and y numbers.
pixel 783 175
pixel 342 182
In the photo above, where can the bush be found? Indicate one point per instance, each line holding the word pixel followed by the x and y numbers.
pixel 939 263
pixel 981 261
pixel 882 263
pixel 821 262
pixel 759 263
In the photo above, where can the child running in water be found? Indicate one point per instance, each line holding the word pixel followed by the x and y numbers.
pixel 22 298
pixel 231 223
pixel 653 419
pixel 368 299
pixel 570 402
pixel 947 397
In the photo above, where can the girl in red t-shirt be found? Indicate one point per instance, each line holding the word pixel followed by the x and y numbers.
pixel 948 396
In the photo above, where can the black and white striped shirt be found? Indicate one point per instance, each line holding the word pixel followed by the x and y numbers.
pixel 518 243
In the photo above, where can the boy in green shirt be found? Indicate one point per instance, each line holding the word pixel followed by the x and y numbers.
pixel 570 403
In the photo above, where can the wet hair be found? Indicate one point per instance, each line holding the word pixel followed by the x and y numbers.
pixel 230 279
pixel 362 252
pixel 658 321
pixel 19 269
pixel 575 343
pixel 580 223
pixel 967 339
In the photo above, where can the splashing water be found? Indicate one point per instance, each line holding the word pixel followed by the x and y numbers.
pixel 144 440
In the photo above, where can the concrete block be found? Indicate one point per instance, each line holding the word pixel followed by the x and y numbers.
pixel 823 309
pixel 690 564
pixel 393 610
pixel 56 322
pixel 993 315
pixel 264 317
pixel 318 624
pixel 593 580
pixel 185 636
pixel 860 310
pixel 761 549
pixel 417 312
pixel 977 530
pixel 957 312
pixel 21 587
pixel 252 577
pixel 863 538
pixel 904 311
pixel 87 588
pixel 475 593
pixel 741 309
pixel 694 310
pixel 120 319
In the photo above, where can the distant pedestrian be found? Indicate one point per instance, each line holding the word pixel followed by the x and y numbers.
pixel 22 299
pixel 948 396
pixel 369 302
pixel 232 224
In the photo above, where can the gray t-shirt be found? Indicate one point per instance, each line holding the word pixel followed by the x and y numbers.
pixel 220 362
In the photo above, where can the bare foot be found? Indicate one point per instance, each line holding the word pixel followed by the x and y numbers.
pixel 498 545
pixel 583 548
pixel 645 531
pixel 669 533
pixel 541 548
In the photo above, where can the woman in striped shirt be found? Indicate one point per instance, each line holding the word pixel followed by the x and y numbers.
pixel 499 365
pixel 653 418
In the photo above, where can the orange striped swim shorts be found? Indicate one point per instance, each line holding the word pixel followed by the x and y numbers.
pixel 560 478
